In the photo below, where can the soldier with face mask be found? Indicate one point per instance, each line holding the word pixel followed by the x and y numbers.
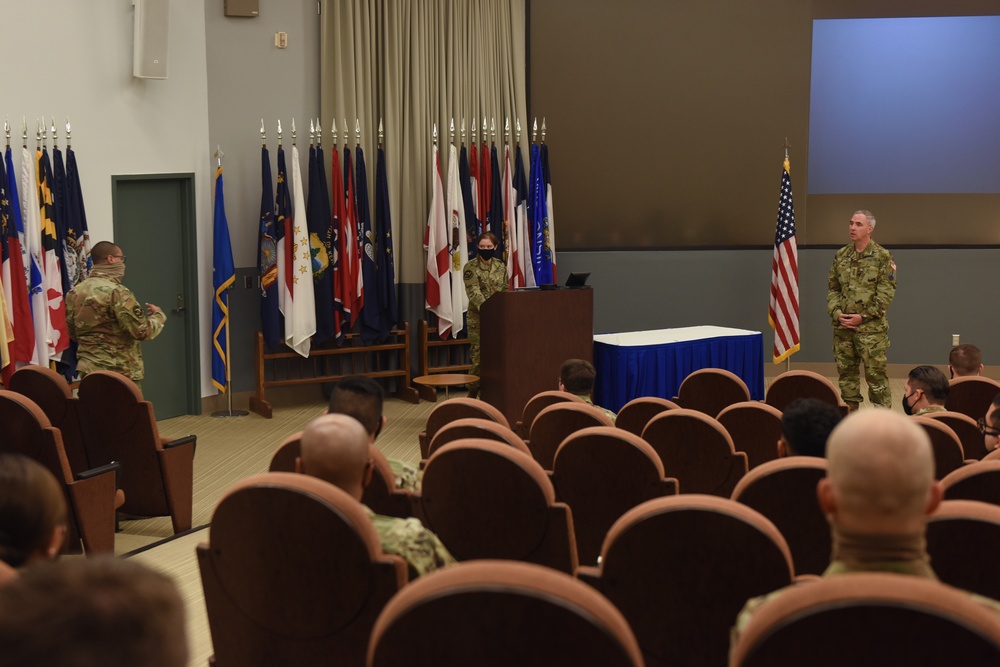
pixel 484 276
pixel 106 320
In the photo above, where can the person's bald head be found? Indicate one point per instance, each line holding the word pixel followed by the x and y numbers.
pixel 880 475
pixel 335 448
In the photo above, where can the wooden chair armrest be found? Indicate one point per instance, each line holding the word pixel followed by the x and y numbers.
pixel 591 575
pixel 670 486
pixel 180 442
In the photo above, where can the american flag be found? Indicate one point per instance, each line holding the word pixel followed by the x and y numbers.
pixel 783 314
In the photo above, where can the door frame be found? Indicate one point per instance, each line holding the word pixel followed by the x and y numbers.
pixel 189 271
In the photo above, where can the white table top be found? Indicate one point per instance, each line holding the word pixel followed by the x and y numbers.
pixel 661 336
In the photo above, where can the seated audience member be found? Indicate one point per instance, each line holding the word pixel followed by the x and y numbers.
pixel 877 494
pixel 965 360
pixel 805 427
pixel 576 376
pixel 361 397
pixel 335 448
pixel 925 391
pixel 85 612
pixel 990 425
pixel 32 513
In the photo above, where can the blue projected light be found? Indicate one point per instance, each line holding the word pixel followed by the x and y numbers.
pixel 905 105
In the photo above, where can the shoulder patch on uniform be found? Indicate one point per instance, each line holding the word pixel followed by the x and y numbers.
pixel 468 272
pixel 892 270
pixel 137 311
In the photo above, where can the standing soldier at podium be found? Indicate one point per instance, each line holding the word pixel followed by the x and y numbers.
pixel 485 275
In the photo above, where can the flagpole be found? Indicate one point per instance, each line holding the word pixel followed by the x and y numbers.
pixel 229 412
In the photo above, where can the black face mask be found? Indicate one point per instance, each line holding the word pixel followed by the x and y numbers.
pixel 487 254
pixel 907 408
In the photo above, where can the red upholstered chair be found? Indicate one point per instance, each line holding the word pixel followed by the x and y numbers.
pixel 539 402
pixel 948 454
pixel 963 539
pixel 870 620
pixel 381 494
pixel 53 395
pixel 974 482
pixel 965 427
pixel 697 450
pixel 971 395
pixel 118 425
pixel 709 390
pixel 497 613
pixel 791 385
pixel 555 423
pixel 90 495
pixel 293 574
pixel 755 428
pixel 992 456
pixel 635 414
pixel 681 568
pixel 485 429
pixel 485 499
pixel 784 490
pixel 601 473
pixel 452 409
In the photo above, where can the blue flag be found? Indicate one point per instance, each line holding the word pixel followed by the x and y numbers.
pixel 318 219
pixel 471 221
pixel 67 362
pixel 371 326
pixel 223 277
pixel 77 234
pixel 267 258
pixel 385 275
pixel 541 259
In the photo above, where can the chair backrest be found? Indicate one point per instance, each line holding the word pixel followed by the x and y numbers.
pixel 635 414
pixel 539 402
pixel 485 429
pixel 870 620
pixel 980 481
pixel 963 539
pixel 484 499
pixel 456 408
pixel 709 390
pixel 602 472
pixel 971 395
pixel 555 423
pixel 948 454
pixel 286 454
pixel 697 450
pixel 992 456
pixel 755 428
pixel 53 395
pixel 965 427
pixel 293 573
pixel 681 568
pixel 496 613
pixel 791 385
pixel 784 490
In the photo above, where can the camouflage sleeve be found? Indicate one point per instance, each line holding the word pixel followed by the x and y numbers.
pixel 476 296
pixel 131 316
pixel 407 477
pixel 833 292
pixel 71 317
pixel 885 289
pixel 418 546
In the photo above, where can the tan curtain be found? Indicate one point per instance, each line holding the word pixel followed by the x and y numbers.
pixel 413 63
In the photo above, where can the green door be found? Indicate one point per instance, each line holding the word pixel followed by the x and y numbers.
pixel 154 224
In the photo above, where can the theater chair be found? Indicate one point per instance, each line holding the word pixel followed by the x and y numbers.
pixel 486 429
pixel 755 428
pixel 635 414
pixel 53 395
pixel 499 613
pixel 971 395
pixel 967 430
pixel 554 423
pixel 963 539
pixel 709 390
pixel 452 409
pixel 539 402
pixel 118 425
pixel 791 385
pixel 293 574
pixel 974 482
pixel 91 495
pixel 948 454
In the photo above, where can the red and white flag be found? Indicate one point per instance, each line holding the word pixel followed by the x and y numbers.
pixel 300 312
pixel 515 275
pixel 438 285
pixel 783 313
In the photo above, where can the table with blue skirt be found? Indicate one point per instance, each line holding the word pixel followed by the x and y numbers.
pixel 654 363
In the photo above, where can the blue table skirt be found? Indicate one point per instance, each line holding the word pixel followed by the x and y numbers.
pixel 627 372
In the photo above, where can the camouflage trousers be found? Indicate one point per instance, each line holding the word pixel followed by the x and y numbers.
pixel 851 348
pixel 473 324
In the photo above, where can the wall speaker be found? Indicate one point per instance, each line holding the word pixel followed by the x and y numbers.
pixel 248 8
pixel 151 28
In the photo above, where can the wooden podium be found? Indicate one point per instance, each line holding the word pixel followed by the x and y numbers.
pixel 525 338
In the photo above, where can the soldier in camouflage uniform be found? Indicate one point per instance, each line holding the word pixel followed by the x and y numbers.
pixel 106 320
pixel 336 448
pixel 576 376
pixel 861 286
pixel 484 276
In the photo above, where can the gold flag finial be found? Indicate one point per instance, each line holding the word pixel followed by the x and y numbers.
pixel 68 130
pixel 452 130
pixel 506 130
pixel 517 124
pixel 319 132
pixel 475 130
pixel 312 131
pixel 55 134
pixel 279 133
pixel 357 131
pixel 534 130
pixel 293 130
pixel 493 129
pixel 219 154
pixel 263 133
pixel 333 130
pixel 463 131
pixel 381 133
pixel 434 133
pixel 543 129
pixel 6 129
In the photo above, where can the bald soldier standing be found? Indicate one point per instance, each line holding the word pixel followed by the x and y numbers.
pixel 861 286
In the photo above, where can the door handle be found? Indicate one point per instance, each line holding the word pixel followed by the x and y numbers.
pixel 180 304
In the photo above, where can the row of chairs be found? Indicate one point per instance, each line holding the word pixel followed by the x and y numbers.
pixel 108 426
pixel 678 569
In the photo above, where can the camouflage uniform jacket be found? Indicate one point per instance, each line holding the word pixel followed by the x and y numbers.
pixel 586 399
pixel 862 283
pixel 419 547
pixel 107 321
pixel 929 410
pixel 482 282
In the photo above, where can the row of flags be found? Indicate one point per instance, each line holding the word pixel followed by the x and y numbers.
pixel 46 252
pixel 325 262
pixel 482 198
